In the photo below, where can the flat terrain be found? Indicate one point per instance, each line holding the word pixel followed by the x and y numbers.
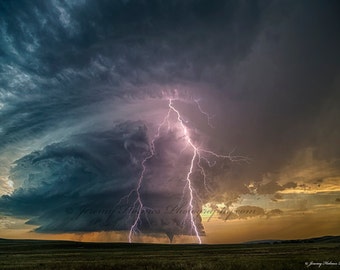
pixel 30 254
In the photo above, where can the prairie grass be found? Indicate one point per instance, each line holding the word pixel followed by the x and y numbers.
pixel 21 254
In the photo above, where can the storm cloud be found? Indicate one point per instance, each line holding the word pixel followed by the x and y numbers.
pixel 84 84
pixel 85 184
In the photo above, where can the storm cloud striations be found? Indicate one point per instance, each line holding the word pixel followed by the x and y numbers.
pixel 84 84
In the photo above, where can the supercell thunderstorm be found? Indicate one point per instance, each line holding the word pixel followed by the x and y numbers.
pixel 94 138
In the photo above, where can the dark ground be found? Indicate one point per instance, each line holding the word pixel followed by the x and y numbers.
pixel 30 254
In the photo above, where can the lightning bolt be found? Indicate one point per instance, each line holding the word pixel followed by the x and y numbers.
pixel 199 155
pixel 138 201
pixel 209 117
pixel 188 179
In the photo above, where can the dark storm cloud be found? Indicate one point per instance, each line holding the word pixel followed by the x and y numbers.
pixel 84 184
pixel 61 53
pixel 268 70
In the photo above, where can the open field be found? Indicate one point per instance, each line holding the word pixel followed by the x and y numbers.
pixel 30 254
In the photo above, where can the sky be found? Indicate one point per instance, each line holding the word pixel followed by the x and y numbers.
pixel 154 121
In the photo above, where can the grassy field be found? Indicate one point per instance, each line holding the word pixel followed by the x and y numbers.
pixel 29 254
